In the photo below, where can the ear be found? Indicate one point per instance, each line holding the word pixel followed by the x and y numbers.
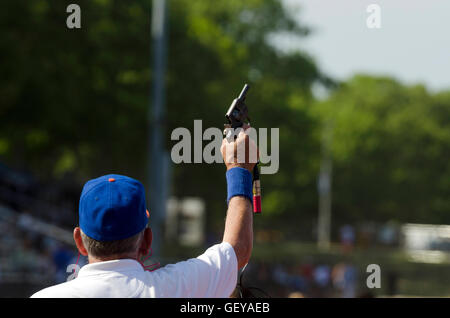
pixel 146 242
pixel 79 241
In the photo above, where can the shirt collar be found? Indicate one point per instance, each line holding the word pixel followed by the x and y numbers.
pixel 118 265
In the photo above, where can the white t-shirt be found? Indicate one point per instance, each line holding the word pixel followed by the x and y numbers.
pixel 212 274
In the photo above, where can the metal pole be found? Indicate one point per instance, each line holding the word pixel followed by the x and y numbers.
pixel 157 178
pixel 324 189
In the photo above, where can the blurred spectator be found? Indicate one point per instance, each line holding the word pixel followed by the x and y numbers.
pixel 350 281
pixel 388 234
pixel 321 276
pixel 347 235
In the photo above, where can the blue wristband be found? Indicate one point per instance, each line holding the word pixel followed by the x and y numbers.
pixel 239 183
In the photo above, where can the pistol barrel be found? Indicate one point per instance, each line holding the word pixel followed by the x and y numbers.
pixel 244 91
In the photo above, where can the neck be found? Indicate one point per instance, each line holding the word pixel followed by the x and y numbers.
pixel 93 259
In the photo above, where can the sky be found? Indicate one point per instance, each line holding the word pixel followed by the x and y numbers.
pixel 412 45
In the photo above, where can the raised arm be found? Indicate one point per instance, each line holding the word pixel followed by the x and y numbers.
pixel 239 221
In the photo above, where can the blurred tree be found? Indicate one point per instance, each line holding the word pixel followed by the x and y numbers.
pixel 391 149
pixel 216 48
pixel 75 105
pixel 75 102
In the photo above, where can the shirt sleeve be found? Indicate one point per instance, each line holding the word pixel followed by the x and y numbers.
pixel 212 274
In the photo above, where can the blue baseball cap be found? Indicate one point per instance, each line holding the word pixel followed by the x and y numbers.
pixel 112 207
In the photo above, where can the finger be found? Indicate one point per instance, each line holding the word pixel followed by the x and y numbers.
pixel 228 150
pixel 242 133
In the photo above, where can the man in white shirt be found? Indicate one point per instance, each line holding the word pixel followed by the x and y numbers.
pixel 113 233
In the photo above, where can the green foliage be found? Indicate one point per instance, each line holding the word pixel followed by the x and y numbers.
pixel 213 51
pixel 76 103
pixel 391 145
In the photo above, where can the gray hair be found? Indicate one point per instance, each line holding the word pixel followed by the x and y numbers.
pixel 112 248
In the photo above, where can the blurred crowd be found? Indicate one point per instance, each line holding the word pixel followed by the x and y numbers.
pixel 307 279
pixel 31 260
pixel 35 260
pixel 39 261
pixel 28 258
pixel 306 276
